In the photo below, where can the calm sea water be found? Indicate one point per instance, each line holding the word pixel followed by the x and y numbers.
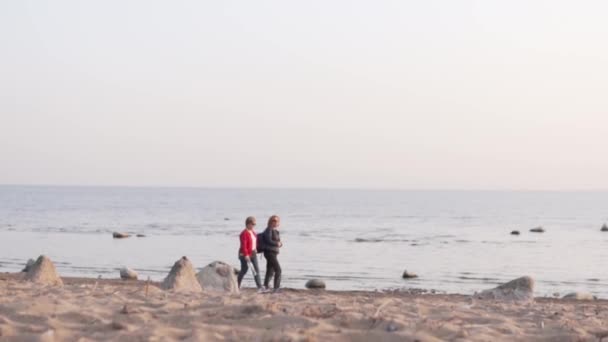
pixel 456 241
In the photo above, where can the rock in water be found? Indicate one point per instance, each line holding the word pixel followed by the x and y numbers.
pixel 518 289
pixel 118 235
pixel 43 272
pixel 409 275
pixel 315 284
pixel 515 232
pixel 182 277
pixel 580 296
pixel 128 274
pixel 537 230
pixel 218 276
pixel 604 228
pixel 28 265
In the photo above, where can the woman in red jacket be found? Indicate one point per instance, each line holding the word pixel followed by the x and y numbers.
pixel 248 253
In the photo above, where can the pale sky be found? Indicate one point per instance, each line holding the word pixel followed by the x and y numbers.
pixel 363 94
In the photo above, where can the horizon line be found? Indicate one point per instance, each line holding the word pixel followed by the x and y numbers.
pixel 340 188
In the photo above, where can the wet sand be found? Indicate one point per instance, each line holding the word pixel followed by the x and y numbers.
pixel 97 309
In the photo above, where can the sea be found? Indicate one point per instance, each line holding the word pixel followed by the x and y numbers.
pixel 455 241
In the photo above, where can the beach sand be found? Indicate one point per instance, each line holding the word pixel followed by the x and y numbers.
pixel 95 309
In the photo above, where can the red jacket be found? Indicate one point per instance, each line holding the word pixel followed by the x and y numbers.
pixel 247 246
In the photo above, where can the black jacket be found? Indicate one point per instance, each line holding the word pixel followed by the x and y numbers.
pixel 272 238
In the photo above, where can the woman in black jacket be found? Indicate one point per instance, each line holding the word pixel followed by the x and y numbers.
pixel 272 244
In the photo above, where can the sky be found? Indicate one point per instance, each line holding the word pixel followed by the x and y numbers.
pixel 472 95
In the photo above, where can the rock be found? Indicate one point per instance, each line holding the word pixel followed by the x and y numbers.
pixel 128 274
pixel 218 276
pixel 28 265
pixel 141 235
pixel 43 272
pixel 515 232
pixel 118 235
pixel 537 230
pixel 580 296
pixel 182 277
pixel 518 289
pixel 604 228
pixel 315 284
pixel 409 275
pixel 116 325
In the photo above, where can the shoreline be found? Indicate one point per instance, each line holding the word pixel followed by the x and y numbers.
pixel 88 281
pixel 91 309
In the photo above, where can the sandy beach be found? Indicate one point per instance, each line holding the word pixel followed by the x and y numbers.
pixel 112 309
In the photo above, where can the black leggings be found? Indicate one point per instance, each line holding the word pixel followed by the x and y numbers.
pixel 272 268
pixel 245 268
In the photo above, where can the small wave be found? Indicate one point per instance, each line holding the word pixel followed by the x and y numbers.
pixel 375 240
pixel 484 279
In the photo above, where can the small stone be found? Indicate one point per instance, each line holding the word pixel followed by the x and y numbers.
pixel 537 230
pixel 127 309
pixel 409 275
pixel 315 284
pixel 128 274
pixel 141 235
pixel 118 235
pixel 580 296
pixel 119 325
pixel 604 228
pixel 391 327
pixel 515 232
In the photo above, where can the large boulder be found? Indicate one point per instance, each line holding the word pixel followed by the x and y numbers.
pixel 518 289
pixel 218 276
pixel 43 272
pixel 28 265
pixel 182 277
pixel 128 274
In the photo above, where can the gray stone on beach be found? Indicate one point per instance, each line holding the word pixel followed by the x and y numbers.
pixel 409 275
pixel 119 235
pixel 315 284
pixel 182 277
pixel 515 232
pixel 28 265
pixel 128 274
pixel 518 289
pixel 580 296
pixel 604 228
pixel 218 276
pixel 43 272
pixel 537 230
